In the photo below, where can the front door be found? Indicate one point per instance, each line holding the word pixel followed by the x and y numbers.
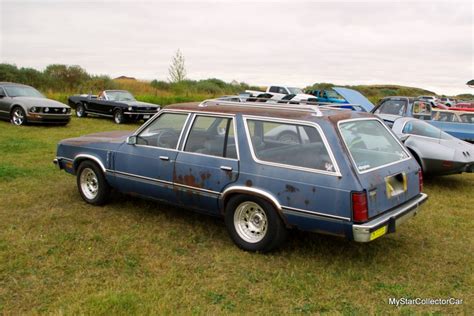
pixel 207 163
pixel 146 168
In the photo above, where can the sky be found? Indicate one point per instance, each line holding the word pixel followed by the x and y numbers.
pixel 426 44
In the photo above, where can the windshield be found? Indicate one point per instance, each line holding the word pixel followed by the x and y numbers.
pixel 295 90
pixel 333 95
pixel 371 145
pixel 120 96
pixel 23 91
pixel 421 128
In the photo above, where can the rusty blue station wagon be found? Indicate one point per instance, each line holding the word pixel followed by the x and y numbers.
pixel 264 168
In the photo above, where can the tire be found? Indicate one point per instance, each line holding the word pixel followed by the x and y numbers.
pixel 253 224
pixel 92 184
pixel 18 116
pixel 119 118
pixel 81 110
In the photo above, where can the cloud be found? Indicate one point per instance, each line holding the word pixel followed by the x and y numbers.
pixel 417 43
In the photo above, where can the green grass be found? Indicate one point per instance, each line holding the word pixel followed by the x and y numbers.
pixel 59 255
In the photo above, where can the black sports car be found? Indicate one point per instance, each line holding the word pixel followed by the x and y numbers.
pixel 117 104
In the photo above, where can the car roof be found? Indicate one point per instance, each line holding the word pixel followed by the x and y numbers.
pixel 277 111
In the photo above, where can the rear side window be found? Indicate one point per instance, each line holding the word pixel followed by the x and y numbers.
pixel 212 136
pixel 370 144
pixel 289 144
pixel 467 118
pixel 396 107
pixel 164 132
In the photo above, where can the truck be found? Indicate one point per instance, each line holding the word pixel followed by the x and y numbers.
pixel 282 92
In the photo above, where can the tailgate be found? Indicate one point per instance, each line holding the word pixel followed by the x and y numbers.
pixel 388 187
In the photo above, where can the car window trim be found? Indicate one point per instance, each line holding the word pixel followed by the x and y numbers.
pixel 158 115
pixel 336 173
pixel 190 125
pixel 390 132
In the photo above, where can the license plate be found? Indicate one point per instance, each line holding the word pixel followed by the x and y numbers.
pixel 379 232
pixel 146 116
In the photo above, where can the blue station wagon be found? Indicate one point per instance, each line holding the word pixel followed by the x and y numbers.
pixel 263 168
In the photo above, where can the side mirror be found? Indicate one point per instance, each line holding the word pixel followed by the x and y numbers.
pixel 132 140
pixel 404 138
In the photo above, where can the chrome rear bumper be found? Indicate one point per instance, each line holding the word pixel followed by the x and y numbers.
pixel 392 219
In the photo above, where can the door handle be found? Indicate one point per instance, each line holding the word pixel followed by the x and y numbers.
pixel 165 158
pixel 226 168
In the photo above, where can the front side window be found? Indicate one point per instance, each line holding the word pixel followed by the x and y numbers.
pixel 289 144
pixel 163 132
pixel 23 91
pixel 421 128
pixel 467 118
pixel 396 107
pixel 274 89
pixel 370 144
pixel 295 90
pixel 212 136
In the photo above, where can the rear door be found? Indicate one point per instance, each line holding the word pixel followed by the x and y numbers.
pixel 208 162
pixel 385 169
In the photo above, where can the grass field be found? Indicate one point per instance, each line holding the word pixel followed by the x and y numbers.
pixel 59 255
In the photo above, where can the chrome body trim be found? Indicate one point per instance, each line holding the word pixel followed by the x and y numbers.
pixel 252 191
pixel 86 156
pixel 299 212
pixel 361 232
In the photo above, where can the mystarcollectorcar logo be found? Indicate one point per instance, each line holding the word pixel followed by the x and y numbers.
pixel 424 301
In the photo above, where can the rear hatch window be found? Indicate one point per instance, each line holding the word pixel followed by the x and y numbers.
pixel 370 144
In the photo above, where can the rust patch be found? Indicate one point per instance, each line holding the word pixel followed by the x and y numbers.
pixel 205 176
pixel 248 183
pixel 291 189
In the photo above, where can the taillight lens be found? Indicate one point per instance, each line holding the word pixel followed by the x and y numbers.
pixel 420 180
pixel 359 206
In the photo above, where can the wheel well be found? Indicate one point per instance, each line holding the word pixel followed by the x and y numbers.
pixel 16 106
pixel 80 160
pixel 261 196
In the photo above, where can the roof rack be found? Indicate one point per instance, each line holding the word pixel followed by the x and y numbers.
pixel 291 105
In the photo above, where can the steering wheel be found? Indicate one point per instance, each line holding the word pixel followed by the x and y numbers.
pixel 167 138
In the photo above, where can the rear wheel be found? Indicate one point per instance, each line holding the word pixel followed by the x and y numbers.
pixel 18 116
pixel 92 184
pixel 81 110
pixel 253 224
pixel 119 118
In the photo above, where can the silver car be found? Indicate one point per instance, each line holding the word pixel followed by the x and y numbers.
pixel 21 104
pixel 437 152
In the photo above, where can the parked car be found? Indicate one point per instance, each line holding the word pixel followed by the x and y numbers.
pixel 282 92
pixel 117 104
pixel 447 101
pixel 349 176
pixel 327 95
pixel 390 108
pixel 430 98
pixel 437 152
pixel 22 104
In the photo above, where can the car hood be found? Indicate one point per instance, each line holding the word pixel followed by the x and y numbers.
pixel 355 97
pixel 30 101
pixel 140 104
pixel 115 137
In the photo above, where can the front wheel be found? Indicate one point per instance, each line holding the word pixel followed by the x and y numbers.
pixel 18 116
pixel 92 184
pixel 253 224
pixel 119 118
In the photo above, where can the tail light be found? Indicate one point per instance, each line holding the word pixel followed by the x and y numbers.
pixel 359 206
pixel 420 180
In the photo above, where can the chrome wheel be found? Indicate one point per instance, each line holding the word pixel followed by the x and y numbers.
pixel 118 117
pixel 89 183
pixel 250 221
pixel 18 116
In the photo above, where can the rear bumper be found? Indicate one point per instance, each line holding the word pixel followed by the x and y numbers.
pixel 390 220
